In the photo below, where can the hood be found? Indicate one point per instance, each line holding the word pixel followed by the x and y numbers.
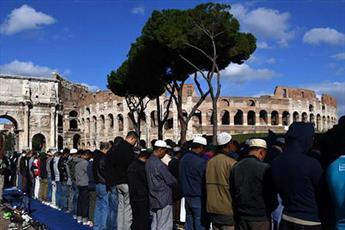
pixel 77 159
pixel 302 135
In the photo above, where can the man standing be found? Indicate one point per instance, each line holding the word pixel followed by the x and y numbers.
pixel 119 159
pixel 251 189
pixel 298 178
pixel 217 184
pixel 44 182
pixel 192 176
pixel 160 182
pixel 102 200
pixel 138 192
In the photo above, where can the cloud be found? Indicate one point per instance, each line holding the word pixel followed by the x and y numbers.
pixel 262 45
pixel 239 74
pixel 327 35
pixel 339 56
pixel 259 60
pixel 24 18
pixel 335 89
pixel 138 10
pixel 92 88
pixel 26 68
pixel 337 69
pixel 266 23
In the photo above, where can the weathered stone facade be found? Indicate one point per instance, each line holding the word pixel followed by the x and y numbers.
pixel 67 114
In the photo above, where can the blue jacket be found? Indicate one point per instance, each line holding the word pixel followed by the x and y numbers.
pixel 297 176
pixel 192 174
pixel 160 181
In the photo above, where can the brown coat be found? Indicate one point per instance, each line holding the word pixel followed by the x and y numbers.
pixel 217 185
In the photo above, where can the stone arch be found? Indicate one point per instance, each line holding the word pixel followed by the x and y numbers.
pixel 286 118
pixel 224 103
pixel 251 118
pixel 73 124
pixel 76 141
pixel 13 120
pixel 94 120
pixel 38 142
pixel 312 118
pixel 73 113
pixel 120 122
pixel 169 123
pixel 318 122
pixel 102 121
pixel 225 117
pixel 311 108
pixel 295 116
pixel 88 125
pixel 251 102
pixel 238 118
pixel 209 117
pixel 304 117
pixel 324 122
pixel 111 120
pixel 274 118
pixel 263 117
pixel 154 118
pixel 328 122
pixel 88 111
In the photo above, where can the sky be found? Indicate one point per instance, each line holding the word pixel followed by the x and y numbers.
pixel 299 43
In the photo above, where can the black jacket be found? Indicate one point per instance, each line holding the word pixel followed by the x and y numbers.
pixel 137 182
pixel 43 168
pixel 98 168
pixel 118 160
pixel 297 176
pixel 62 166
pixel 252 191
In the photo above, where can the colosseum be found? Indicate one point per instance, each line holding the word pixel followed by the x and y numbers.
pixel 61 113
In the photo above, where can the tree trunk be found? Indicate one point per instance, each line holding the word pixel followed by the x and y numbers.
pixel 214 120
pixel 159 120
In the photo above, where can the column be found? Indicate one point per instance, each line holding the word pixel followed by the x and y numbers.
pixel 53 128
pixel 26 128
pixel 257 118
pixel 269 121
pixel 245 118
pixel 280 119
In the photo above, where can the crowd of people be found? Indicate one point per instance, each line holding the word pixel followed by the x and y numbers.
pixel 288 182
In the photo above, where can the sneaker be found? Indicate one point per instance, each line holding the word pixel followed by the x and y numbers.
pixel 79 219
pixel 90 224
pixel 74 217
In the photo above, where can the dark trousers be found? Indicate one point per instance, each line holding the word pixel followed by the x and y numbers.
pixel 141 215
pixel 83 202
pixel 252 225
pixel 285 225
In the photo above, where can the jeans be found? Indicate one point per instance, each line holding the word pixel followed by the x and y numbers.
pixel 194 214
pixel 49 194
pixel 63 196
pixel 102 205
pixel 112 211
pixel 54 191
pixel 58 194
pixel 124 215
pixel 72 199
pixel 83 202
pixel 162 219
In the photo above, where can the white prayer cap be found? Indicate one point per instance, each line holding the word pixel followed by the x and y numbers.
pixel 160 144
pixel 223 138
pixel 257 142
pixel 200 140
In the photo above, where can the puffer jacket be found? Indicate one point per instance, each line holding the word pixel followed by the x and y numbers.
pixel 217 185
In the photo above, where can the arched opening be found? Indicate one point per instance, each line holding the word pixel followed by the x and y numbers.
pixel 120 122
pixel 311 108
pixel 295 117
pixel 251 118
pixel 9 134
pixel 238 119
pixel 251 103
pixel 73 113
pixel 60 123
pixel 94 120
pixel 60 142
pixel 286 118
pixel 169 123
pixel 304 117
pixel 111 120
pixel 224 103
pixel 274 118
pixel 102 120
pixel 88 125
pixel 318 122
pixel 312 119
pixel 88 111
pixel 209 117
pixel 38 142
pixel 76 141
pixel 225 117
pixel 324 122
pixel 73 125
pixel 263 117
pixel 328 122
pixel 154 118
